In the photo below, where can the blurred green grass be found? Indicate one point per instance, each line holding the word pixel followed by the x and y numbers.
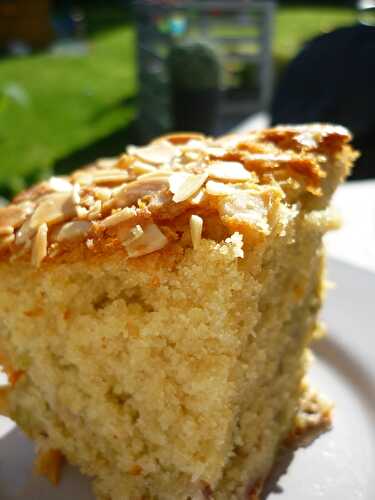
pixel 52 106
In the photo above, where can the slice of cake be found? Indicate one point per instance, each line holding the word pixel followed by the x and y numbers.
pixel 156 308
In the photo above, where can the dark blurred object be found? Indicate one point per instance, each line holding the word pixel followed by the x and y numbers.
pixel 333 80
pixel 25 22
pixel 69 20
pixel 195 77
pixel 240 31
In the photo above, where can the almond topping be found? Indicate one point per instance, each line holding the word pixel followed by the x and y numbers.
pixel 81 212
pixel 156 153
pixel 139 167
pixel 54 208
pixel 73 230
pixel 151 240
pixel 95 210
pixel 39 249
pixel 76 193
pixel 107 163
pixel 60 185
pixel 102 193
pixel 183 185
pixel 110 176
pixel 219 188
pixel 25 233
pixel 118 217
pixel 229 171
pixel 14 215
pixel 196 227
pixel 83 178
pixel 135 233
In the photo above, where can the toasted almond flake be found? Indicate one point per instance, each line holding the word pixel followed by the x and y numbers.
pixel 139 167
pixel 39 248
pixel 216 151
pixel 90 244
pixel 110 176
pixel 6 230
pixel 215 188
pixel 157 153
pixel 73 230
pixel 134 233
pixel 83 178
pixel 76 194
pixel 60 185
pixel 151 240
pixel 157 174
pixel 96 210
pixel 25 233
pixel 228 170
pixel 183 185
pixel 103 194
pixel 81 212
pixel 107 162
pixel 196 227
pixel 14 215
pixel 55 207
pixel 6 241
pixel 119 217
pixel 203 147
pixel 198 198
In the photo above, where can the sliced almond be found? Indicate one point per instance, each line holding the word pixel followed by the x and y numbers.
pixel 229 171
pixel 73 230
pixel 39 248
pixel 150 241
pixel 158 153
pixel 95 210
pixel 130 194
pixel 103 193
pixel 139 167
pixel 156 174
pixel 76 196
pixel 107 162
pixel 81 212
pixel 55 207
pixel 25 233
pixel 60 185
pixel 110 176
pixel 134 233
pixel 184 185
pixel 83 178
pixel 196 227
pixel 215 188
pixel 198 197
pixel 119 217
pixel 14 215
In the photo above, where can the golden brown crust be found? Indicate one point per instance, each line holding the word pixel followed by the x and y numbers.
pixel 142 201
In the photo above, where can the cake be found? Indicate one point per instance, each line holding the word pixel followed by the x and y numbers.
pixel 156 310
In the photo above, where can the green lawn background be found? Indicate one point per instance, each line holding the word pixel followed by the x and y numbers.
pixel 52 106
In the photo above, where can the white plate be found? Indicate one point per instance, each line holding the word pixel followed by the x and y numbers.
pixel 339 465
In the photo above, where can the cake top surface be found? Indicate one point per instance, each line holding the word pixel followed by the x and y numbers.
pixel 139 201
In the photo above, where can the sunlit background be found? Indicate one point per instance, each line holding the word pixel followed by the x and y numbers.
pixel 81 80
